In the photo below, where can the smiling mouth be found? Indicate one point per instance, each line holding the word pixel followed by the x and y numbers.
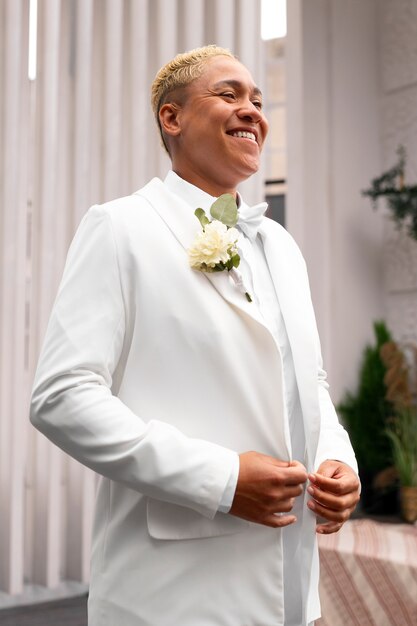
pixel 242 134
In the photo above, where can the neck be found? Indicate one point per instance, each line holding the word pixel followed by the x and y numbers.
pixel 213 188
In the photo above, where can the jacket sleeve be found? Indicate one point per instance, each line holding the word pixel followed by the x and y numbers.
pixel 334 442
pixel 72 402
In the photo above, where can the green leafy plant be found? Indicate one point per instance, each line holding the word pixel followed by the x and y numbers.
pixel 401 383
pixel 401 198
pixel 366 412
pixel 403 435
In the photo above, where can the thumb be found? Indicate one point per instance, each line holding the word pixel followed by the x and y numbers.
pixel 327 469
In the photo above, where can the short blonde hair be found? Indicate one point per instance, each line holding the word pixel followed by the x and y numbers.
pixel 178 73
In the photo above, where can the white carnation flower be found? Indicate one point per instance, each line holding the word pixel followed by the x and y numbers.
pixel 216 244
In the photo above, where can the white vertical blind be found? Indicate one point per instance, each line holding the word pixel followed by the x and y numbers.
pixel 137 96
pixel 81 133
pixel 14 125
pixel 192 24
pixel 49 244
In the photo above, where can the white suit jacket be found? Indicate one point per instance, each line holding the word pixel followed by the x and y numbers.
pixel 155 375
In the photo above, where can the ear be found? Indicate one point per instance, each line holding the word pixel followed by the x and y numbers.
pixel 170 119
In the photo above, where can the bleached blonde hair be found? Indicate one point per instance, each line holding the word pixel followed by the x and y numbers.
pixel 178 73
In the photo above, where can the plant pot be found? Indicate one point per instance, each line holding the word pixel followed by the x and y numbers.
pixel 409 503
pixel 377 499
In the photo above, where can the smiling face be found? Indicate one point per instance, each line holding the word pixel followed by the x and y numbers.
pixel 216 128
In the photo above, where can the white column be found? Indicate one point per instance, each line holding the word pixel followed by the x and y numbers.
pixel 13 232
pixel 140 114
pixel 48 252
pixel 333 152
pixel 163 32
pixel 112 96
pixel 82 80
pixel 249 49
pixel 191 24
pixel 315 127
pixel 224 23
pixel 398 36
pixel 80 480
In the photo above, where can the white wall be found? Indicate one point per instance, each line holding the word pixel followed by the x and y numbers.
pixel 333 152
pixel 398 41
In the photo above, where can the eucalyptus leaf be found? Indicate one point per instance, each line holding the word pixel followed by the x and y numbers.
pixel 224 209
pixel 202 217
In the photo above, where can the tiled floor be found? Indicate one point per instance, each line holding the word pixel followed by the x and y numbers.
pixel 66 612
pixel 35 594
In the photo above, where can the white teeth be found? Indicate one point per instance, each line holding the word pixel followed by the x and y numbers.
pixel 246 135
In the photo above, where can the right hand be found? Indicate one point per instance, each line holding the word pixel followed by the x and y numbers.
pixel 266 486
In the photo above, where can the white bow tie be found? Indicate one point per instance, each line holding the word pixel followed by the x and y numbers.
pixel 250 218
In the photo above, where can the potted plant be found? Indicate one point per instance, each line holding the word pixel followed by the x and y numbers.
pixel 401 198
pixel 365 415
pixel 401 383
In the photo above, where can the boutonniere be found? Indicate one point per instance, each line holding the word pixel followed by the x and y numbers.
pixel 215 247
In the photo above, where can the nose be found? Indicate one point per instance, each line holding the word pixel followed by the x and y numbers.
pixel 249 111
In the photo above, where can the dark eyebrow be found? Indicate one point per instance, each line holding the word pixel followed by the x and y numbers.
pixel 236 84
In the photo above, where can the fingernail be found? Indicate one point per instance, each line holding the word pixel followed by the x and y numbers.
pixel 310 490
pixel 311 505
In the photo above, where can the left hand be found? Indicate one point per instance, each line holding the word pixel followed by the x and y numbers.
pixel 335 490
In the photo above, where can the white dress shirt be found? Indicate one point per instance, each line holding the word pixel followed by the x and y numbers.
pixel 258 282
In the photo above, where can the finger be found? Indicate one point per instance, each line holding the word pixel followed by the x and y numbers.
pixel 282 506
pixel 281 502
pixel 293 475
pixel 278 521
pixel 343 485
pixel 283 492
pixel 293 491
pixel 329 514
pixel 294 470
pixel 329 528
pixel 269 506
pixel 331 501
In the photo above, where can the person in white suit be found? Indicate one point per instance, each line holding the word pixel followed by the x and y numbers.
pixel 198 395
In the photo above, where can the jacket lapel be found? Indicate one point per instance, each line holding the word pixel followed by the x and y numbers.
pixel 291 284
pixel 179 217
